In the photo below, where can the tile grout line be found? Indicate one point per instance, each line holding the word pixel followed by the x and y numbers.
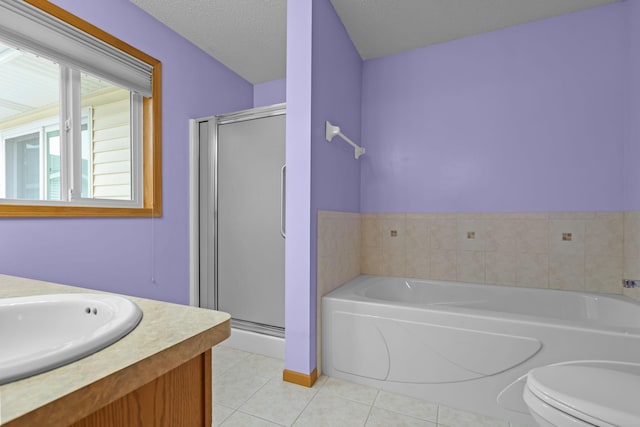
pixel 307 405
pixel 371 407
pixel 261 418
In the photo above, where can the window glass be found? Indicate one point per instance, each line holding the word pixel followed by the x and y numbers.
pixel 29 100
pixel 22 167
pixel 33 165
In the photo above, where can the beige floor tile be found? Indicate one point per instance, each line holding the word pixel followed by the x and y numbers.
pixel 279 401
pixel 407 405
pixel 320 382
pixel 351 391
pixel 382 418
pixel 223 358
pixel 239 419
pixel 259 365
pixel 329 410
pixel 451 417
pixel 233 388
pixel 221 413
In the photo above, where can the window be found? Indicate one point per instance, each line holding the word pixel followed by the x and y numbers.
pixel 79 118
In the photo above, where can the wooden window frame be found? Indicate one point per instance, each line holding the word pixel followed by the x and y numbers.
pixel 151 137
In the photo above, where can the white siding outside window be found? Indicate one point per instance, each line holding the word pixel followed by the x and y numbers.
pixel 112 150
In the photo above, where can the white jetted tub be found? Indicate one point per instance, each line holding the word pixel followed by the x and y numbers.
pixel 466 345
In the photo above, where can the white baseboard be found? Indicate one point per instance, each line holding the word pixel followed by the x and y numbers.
pixel 252 342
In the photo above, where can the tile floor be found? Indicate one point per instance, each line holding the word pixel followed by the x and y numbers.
pixel 248 391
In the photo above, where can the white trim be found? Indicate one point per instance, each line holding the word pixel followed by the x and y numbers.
pixel 136 164
pixel 253 342
pixel 194 226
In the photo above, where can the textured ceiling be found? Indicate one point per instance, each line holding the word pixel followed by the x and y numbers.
pixel 383 27
pixel 249 36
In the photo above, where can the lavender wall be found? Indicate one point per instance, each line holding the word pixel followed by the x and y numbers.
pixel 298 354
pixel 324 74
pixel 631 74
pixel 123 255
pixel 528 118
pixel 337 97
pixel 269 93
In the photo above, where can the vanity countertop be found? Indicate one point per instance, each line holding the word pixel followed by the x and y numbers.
pixel 168 336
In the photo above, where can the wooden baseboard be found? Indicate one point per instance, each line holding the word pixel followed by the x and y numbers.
pixel 306 380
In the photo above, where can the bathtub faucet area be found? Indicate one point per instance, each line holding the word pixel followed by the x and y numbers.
pixel 629 283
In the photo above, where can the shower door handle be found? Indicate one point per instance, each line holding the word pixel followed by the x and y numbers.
pixel 283 201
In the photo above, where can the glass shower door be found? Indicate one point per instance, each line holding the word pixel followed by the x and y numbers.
pixel 250 241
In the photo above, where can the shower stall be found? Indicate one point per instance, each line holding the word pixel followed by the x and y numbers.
pixel 242 225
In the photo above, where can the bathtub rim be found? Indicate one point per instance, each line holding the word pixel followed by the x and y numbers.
pixel 346 294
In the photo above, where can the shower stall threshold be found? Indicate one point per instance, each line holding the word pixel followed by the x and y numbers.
pixel 258 340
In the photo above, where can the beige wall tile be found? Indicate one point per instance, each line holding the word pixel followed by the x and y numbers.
pixel 443 234
pixel 443 265
pixel 559 227
pixel 417 233
pixel 566 272
pixel 532 270
pixel 338 249
pixel 372 261
pixel 604 235
pixel 501 268
pixel 632 235
pixel 522 249
pixel 325 276
pixel 417 265
pixel 396 265
pixel 631 268
pixel 603 274
pixel 532 236
pixel 393 234
pixel 369 230
pixel 471 235
pixel 500 235
pixel 393 237
pixel 470 266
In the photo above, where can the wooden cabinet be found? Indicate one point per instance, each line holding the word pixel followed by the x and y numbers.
pixel 181 397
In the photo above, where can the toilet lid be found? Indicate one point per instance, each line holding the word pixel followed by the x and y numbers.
pixel 588 393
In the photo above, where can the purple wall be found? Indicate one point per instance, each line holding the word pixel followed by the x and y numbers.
pixel 328 87
pixel 527 118
pixel 631 74
pixel 337 97
pixel 269 93
pixel 298 355
pixel 123 255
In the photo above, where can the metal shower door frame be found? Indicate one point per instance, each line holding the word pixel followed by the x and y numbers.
pixel 209 248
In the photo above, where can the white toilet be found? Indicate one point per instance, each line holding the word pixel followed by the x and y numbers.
pixel 578 395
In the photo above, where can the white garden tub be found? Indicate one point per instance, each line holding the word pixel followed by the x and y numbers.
pixel 468 345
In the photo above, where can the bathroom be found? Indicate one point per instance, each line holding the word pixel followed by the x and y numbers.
pixel 498 123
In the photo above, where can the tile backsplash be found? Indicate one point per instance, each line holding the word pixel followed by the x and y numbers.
pixel 586 251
